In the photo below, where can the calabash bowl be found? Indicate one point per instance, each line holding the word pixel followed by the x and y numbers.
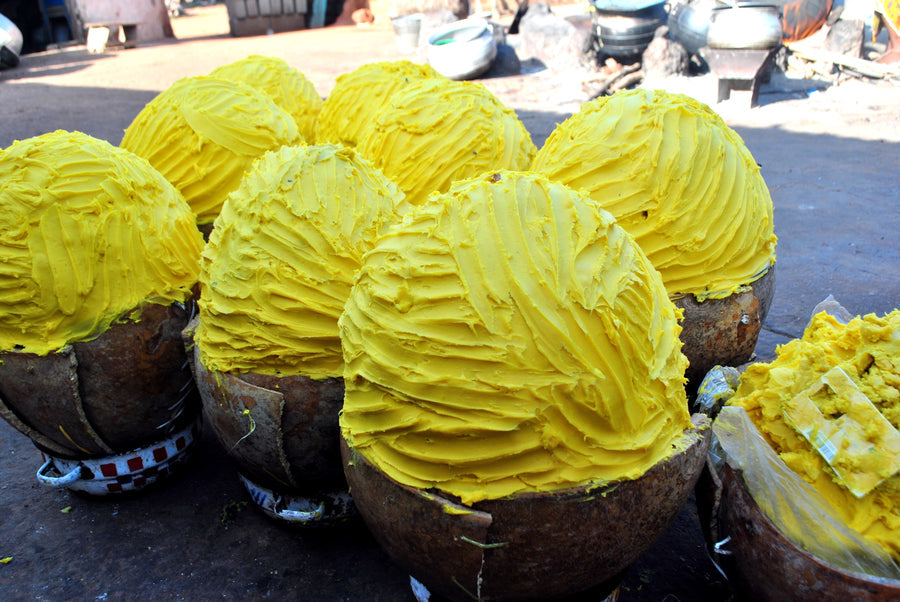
pixel 724 331
pixel 760 561
pixel 282 434
pixel 529 546
pixel 128 389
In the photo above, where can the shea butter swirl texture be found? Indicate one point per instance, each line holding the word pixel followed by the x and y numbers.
pixel 508 337
pixel 203 133
pixel 88 232
pixel 282 257
pixel 437 131
pixel 358 96
pixel 867 349
pixel 678 179
pixel 285 85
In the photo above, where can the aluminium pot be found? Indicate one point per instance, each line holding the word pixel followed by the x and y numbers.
pixel 748 26
pixel 462 50
pixel 10 43
pixel 10 35
pixel 689 23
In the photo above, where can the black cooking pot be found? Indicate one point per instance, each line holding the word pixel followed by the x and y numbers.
pixel 624 32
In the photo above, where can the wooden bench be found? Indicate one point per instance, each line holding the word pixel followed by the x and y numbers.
pixel 98 35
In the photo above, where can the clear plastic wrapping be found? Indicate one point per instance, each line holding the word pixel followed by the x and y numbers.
pixel 793 505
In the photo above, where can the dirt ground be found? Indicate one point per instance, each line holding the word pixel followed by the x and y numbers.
pixel 829 153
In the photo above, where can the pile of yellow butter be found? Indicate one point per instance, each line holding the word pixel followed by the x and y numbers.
pixel 507 336
pixel 282 257
pixel 497 330
pixel 829 405
pixel 435 131
pixel 203 133
pixel 358 97
pixel 678 179
pixel 281 83
pixel 88 232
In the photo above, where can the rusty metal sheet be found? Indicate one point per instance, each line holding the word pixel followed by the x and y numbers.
pixel 737 63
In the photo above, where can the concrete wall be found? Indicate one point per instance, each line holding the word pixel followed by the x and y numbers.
pixel 259 17
pixel 150 16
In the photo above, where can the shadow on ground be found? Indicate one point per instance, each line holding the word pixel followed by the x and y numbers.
pixel 835 217
pixel 51 64
pixel 100 112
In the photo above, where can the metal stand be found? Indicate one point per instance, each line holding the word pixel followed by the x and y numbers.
pixel 739 69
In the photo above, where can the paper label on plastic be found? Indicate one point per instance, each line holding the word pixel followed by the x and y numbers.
pixel 855 439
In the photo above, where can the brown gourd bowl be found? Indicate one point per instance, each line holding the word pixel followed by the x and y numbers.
pixel 760 561
pixel 129 387
pixel 280 431
pixel 531 545
pixel 723 331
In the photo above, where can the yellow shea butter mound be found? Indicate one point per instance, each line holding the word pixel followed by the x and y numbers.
pixel 678 179
pixel 285 85
pixel 88 232
pixel 282 257
pixel 865 351
pixel 358 96
pixel 203 133
pixel 437 131
pixel 509 337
